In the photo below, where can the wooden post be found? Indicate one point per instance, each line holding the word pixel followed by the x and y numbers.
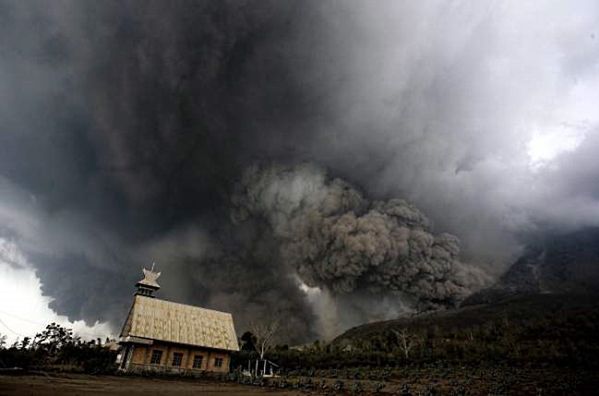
pixel 131 355
pixel 189 359
pixel 168 350
pixel 147 355
pixel 125 356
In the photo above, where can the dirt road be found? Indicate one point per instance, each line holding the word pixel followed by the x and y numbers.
pixel 76 384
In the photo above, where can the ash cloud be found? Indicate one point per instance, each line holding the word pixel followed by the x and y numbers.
pixel 126 127
pixel 335 239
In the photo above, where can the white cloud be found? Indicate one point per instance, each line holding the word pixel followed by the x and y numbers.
pixel 23 309
pixel 544 146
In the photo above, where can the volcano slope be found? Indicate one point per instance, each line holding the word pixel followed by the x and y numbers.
pixel 543 308
pixel 521 345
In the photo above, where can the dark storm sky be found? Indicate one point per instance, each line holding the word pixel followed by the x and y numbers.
pixel 127 126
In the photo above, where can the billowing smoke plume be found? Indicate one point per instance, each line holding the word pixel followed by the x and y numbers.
pixel 127 129
pixel 334 238
pixel 124 128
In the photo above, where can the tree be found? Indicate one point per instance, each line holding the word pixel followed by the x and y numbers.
pixel 406 341
pixel 53 338
pixel 2 341
pixel 264 333
pixel 248 341
pixel 25 343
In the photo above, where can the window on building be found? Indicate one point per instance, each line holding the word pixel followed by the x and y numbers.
pixel 197 361
pixel 177 358
pixel 218 362
pixel 156 357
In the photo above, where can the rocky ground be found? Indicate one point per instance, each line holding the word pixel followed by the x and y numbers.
pixel 465 381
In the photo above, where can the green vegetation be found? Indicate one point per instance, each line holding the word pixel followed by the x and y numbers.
pixel 523 345
pixel 541 330
pixel 536 344
pixel 56 348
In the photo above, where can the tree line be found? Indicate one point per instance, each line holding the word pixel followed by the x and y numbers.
pixel 558 339
pixel 57 347
pixel 568 338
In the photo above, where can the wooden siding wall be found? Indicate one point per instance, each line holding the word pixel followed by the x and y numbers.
pixel 142 354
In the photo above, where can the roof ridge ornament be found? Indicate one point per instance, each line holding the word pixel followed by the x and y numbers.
pixel 148 285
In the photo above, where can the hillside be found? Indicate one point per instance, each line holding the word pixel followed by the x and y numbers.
pixel 552 263
pixel 515 309
pixel 525 344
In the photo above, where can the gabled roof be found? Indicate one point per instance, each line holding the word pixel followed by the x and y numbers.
pixel 151 318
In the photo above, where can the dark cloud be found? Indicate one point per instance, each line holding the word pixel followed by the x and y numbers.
pixel 127 126
pixel 131 122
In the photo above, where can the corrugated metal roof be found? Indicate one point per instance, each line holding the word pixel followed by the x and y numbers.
pixel 179 323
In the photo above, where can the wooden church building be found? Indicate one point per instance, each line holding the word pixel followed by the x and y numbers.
pixel 164 336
